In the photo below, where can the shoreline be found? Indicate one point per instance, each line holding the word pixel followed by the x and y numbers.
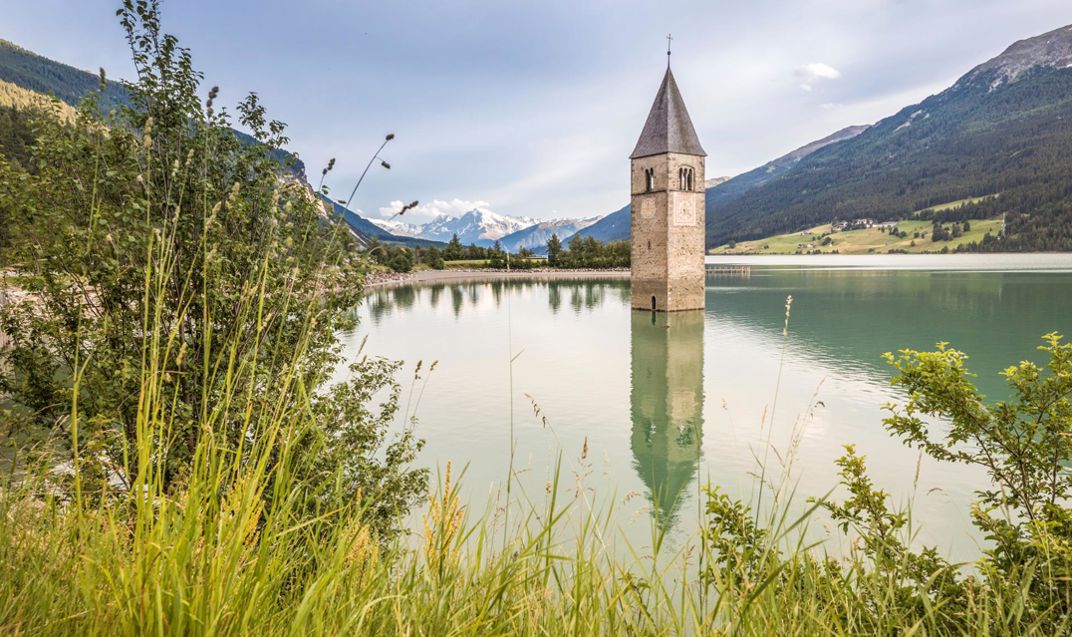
pixel 385 279
pixel 717 264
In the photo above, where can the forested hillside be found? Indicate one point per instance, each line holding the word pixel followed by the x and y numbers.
pixel 993 132
pixel 16 131
pixel 48 77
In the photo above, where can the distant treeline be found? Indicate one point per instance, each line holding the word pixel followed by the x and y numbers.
pixel 588 252
pixel 1036 220
pixel 582 253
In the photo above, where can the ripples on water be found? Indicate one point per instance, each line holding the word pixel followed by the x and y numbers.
pixel 670 402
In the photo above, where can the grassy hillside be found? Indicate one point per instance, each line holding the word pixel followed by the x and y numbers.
pixel 958 204
pixel 863 241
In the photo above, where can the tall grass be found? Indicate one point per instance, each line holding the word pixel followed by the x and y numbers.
pixel 235 552
pixel 217 560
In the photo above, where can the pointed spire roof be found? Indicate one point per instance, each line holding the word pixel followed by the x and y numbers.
pixel 668 129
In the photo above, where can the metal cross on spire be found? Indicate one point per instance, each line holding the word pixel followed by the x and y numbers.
pixel 669 39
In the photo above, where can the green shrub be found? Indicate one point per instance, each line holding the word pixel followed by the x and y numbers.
pixel 1022 584
pixel 400 262
pixel 159 252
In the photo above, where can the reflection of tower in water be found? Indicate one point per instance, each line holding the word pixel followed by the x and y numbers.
pixel 667 405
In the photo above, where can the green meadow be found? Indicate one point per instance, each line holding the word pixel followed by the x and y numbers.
pixel 862 241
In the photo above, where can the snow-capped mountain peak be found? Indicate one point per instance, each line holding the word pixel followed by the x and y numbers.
pixel 536 236
pixel 478 226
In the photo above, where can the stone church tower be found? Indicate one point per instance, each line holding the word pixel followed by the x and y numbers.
pixel 668 208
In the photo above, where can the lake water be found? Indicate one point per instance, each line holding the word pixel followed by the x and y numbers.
pixel 666 403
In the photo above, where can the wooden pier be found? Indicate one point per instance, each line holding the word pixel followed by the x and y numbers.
pixel 743 271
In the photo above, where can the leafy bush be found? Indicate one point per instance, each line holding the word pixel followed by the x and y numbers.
pixel 400 262
pixel 1024 446
pixel 157 251
pixel 1022 584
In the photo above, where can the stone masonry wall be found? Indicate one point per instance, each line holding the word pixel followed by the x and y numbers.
pixel 667 235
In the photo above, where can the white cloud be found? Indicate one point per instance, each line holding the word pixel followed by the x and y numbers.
pixel 428 211
pixel 816 71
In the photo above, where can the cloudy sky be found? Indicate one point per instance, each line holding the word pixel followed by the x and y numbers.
pixel 532 108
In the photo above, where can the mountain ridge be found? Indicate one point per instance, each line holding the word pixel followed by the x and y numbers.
pixel 1053 49
pixel 479 226
pixel 69 84
pixel 366 229
pixel 536 236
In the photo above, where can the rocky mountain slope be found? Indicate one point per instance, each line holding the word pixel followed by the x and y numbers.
pixel 1051 50
pixel 397 228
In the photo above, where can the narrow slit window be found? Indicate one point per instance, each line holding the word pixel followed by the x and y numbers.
pixel 649 179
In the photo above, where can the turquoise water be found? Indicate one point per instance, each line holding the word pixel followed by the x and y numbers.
pixel 643 410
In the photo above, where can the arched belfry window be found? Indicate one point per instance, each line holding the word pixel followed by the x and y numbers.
pixel 684 178
pixel 649 179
